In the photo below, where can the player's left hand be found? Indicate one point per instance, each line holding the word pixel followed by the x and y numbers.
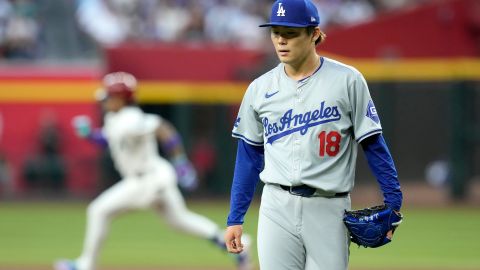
pixel 372 227
pixel 390 233
pixel 186 173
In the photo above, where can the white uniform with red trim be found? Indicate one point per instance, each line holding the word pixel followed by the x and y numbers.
pixel 131 138
pixel 148 180
pixel 310 130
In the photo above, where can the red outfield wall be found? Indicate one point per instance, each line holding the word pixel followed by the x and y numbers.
pixel 21 123
pixel 32 97
pixel 438 29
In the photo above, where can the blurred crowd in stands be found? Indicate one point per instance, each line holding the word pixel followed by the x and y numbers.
pixel 52 29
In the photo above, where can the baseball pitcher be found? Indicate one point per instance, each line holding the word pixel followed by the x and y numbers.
pixel 298 129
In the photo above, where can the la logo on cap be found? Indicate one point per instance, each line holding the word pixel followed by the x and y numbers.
pixel 280 11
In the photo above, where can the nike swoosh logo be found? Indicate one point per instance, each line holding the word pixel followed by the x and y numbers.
pixel 267 95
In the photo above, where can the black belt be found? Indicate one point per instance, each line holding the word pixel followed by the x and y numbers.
pixel 306 191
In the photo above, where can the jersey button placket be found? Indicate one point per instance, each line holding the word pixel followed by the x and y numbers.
pixel 296 161
pixel 298 96
pixel 296 137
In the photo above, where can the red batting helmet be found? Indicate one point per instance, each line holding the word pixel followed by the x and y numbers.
pixel 120 84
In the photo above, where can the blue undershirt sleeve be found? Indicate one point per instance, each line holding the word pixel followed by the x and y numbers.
pixel 382 166
pixel 248 165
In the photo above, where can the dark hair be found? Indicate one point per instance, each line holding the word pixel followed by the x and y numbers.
pixel 322 36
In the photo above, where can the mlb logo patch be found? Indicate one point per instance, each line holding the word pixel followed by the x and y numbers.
pixel 372 112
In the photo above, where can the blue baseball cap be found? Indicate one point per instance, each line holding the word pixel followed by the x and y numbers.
pixel 293 13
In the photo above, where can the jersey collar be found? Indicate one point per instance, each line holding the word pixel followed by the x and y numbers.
pixel 282 70
pixel 316 70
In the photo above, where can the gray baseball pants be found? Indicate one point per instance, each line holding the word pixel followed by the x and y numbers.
pixel 302 233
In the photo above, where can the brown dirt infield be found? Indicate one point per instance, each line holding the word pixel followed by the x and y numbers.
pixel 419 194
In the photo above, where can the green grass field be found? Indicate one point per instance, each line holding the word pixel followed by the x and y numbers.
pixel 34 234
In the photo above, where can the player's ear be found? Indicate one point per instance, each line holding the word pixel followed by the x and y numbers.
pixel 320 36
pixel 318 33
pixel 315 34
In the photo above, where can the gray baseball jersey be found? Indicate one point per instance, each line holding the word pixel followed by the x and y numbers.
pixel 309 128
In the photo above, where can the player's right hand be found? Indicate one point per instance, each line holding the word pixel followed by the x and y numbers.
pixel 82 125
pixel 233 238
